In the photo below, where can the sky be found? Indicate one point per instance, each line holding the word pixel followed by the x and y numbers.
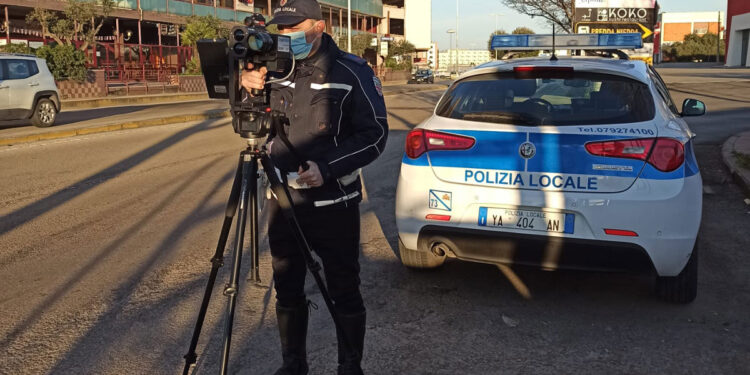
pixel 477 21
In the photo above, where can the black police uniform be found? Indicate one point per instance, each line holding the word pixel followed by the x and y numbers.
pixel 338 120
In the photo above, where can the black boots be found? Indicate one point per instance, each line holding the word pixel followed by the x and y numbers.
pixel 293 333
pixel 353 326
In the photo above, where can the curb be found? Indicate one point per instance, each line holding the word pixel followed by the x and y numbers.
pixel 146 123
pixel 740 174
pixel 109 128
pixel 116 101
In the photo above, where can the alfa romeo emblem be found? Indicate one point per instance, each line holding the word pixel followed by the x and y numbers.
pixel 527 150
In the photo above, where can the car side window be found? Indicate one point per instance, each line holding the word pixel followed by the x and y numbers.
pixel 661 87
pixel 20 69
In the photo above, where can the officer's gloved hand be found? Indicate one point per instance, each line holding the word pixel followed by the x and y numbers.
pixel 253 79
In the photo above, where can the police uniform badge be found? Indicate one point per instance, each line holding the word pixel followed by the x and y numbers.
pixel 378 85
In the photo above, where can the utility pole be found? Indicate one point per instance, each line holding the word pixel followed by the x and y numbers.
pixel 450 45
pixel 456 37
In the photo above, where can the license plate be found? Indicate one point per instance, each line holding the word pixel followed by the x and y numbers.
pixel 526 219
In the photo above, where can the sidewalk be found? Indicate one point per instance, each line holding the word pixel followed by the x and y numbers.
pixel 112 114
pixel 736 155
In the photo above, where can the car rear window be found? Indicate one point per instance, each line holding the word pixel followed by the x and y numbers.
pixel 570 98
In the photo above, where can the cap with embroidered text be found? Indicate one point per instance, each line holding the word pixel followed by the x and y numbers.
pixel 292 12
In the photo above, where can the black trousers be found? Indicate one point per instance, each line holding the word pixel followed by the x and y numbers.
pixel 333 233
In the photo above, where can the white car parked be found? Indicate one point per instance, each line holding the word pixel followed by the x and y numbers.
pixel 577 163
pixel 27 90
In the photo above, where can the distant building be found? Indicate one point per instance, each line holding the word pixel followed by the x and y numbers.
pixel 433 56
pixel 409 20
pixel 674 26
pixel 466 58
pixel 738 35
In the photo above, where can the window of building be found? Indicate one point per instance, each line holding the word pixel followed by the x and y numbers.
pixel 225 3
pixel 205 2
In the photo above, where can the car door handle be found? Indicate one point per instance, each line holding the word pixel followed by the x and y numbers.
pixel 34 84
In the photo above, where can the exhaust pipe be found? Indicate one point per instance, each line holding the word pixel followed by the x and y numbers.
pixel 439 249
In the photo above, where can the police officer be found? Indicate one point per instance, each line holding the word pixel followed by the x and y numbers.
pixel 338 124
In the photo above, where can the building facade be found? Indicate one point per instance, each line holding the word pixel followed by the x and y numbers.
pixel 674 26
pixel 738 35
pixel 145 34
pixel 465 58
pixel 410 20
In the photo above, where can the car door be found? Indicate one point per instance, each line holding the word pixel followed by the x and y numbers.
pixel 23 82
pixel 4 92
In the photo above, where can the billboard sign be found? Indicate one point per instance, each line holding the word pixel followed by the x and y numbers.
pixel 616 16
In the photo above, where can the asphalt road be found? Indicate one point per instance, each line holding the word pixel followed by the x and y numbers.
pixel 105 241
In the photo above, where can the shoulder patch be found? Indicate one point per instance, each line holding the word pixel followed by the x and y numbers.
pixel 378 85
pixel 353 58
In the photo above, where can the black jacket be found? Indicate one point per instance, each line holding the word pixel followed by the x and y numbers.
pixel 337 119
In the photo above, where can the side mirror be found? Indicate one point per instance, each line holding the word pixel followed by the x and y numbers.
pixel 693 107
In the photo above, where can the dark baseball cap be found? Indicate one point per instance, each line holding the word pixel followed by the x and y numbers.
pixel 292 12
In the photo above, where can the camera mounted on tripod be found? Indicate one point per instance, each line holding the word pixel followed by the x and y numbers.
pixel 222 62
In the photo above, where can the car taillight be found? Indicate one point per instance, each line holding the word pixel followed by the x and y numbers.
pixel 419 141
pixel 665 154
pixel 529 72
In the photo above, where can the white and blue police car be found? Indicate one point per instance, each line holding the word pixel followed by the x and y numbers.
pixel 571 163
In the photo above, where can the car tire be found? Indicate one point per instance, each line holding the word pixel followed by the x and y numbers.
pixel 419 259
pixel 44 113
pixel 682 288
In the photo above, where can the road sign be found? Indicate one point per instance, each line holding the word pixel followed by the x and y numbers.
pixel 386 38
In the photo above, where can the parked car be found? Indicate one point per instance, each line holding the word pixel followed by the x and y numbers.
pixel 27 90
pixel 424 75
pixel 581 163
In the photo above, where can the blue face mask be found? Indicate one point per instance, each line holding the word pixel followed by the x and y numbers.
pixel 300 47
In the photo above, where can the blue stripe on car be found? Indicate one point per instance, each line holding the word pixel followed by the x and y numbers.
pixel 556 153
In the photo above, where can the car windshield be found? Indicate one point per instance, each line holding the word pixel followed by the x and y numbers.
pixel 565 99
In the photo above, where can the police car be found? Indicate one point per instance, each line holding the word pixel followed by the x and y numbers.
pixel 576 163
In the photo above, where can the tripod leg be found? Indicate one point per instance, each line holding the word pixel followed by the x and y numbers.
pixel 287 209
pixel 249 169
pixel 216 263
pixel 254 258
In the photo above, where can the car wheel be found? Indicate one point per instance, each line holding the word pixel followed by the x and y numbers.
pixel 44 113
pixel 419 259
pixel 681 288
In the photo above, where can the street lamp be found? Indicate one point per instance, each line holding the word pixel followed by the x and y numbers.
pixel 450 33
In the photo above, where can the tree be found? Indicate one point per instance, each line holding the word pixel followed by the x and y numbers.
pixel 695 47
pixel 80 21
pixel 399 55
pixel 197 28
pixel 556 12
pixel 64 61
pixel 16 48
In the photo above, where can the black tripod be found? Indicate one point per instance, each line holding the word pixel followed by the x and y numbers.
pixel 244 192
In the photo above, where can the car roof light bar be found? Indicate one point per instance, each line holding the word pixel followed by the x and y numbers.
pixel 527 42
